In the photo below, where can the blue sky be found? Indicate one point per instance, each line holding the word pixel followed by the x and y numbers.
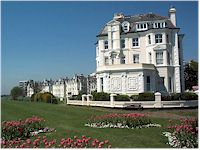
pixel 56 39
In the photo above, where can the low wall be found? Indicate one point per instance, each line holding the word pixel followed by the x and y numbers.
pixel 143 104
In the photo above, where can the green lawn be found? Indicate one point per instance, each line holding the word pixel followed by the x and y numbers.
pixel 69 121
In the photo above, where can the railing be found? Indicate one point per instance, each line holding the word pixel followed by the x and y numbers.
pixel 87 101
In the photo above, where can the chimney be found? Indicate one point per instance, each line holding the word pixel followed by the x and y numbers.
pixel 172 15
pixel 118 16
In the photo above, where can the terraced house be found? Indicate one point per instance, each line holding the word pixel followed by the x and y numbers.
pixel 140 53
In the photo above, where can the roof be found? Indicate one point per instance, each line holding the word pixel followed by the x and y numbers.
pixel 150 17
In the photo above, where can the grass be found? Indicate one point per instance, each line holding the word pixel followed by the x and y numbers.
pixel 69 121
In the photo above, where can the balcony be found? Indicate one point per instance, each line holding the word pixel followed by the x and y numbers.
pixel 124 67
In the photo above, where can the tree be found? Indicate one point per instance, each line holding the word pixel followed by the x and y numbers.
pixel 16 92
pixel 36 87
pixel 191 74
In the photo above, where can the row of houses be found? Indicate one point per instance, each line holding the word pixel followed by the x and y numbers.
pixel 62 87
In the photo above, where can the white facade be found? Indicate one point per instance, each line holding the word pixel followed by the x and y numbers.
pixel 91 83
pixel 59 89
pixel 76 85
pixel 62 87
pixel 30 90
pixel 140 53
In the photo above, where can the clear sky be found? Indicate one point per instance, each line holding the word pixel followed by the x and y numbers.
pixel 56 39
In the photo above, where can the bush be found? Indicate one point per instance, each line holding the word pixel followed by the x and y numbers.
pixel 175 96
pixel 44 97
pixel 73 97
pixel 32 97
pixel 22 128
pixel 189 96
pixel 166 98
pixel 134 97
pixel 146 96
pixel 184 134
pixel 100 96
pixel 122 98
pixel 132 120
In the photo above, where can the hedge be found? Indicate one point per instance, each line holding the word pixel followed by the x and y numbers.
pixel 44 97
pixel 146 96
pixel 189 96
pixel 122 98
pixel 101 96
pixel 134 97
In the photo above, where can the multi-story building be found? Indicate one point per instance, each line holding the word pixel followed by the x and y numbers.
pixel 62 87
pixel 30 88
pixel 140 53
pixel 91 83
pixel 23 86
pixel 59 89
pixel 47 85
pixel 76 85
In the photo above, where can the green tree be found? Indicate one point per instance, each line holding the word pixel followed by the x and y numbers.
pixel 191 74
pixel 16 92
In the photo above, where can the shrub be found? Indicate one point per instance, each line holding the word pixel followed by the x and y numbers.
pixel 175 96
pixel 32 97
pixel 131 120
pixel 42 142
pixel 22 128
pixel 100 96
pixel 166 98
pixel 134 97
pixel 146 96
pixel 189 96
pixel 46 97
pixel 73 97
pixel 53 101
pixel 184 134
pixel 122 98
pixel 38 97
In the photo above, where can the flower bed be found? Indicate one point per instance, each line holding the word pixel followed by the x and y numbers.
pixel 21 129
pixel 184 134
pixel 43 142
pixel 121 121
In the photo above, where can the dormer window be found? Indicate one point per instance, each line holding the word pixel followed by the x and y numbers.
pixel 141 26
pixel 159 24
pixel 125 26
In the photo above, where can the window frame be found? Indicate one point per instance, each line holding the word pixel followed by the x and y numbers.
pixel 149 39
pixel 123 60
pixel 158 39
pixel 105 44
pixel 123 43
pixel 135 44
pixel 159 61
pixel 106 60
pixel 148 84
pixel 134 58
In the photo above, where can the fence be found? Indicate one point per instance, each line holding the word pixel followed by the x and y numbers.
pixel 87 101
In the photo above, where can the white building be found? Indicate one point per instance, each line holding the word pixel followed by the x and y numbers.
pixel 76 85
pixel 59 89
pixel 91 83
pixel 140 53
pixel 30 88
pixel 62 87
pixel 47 86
